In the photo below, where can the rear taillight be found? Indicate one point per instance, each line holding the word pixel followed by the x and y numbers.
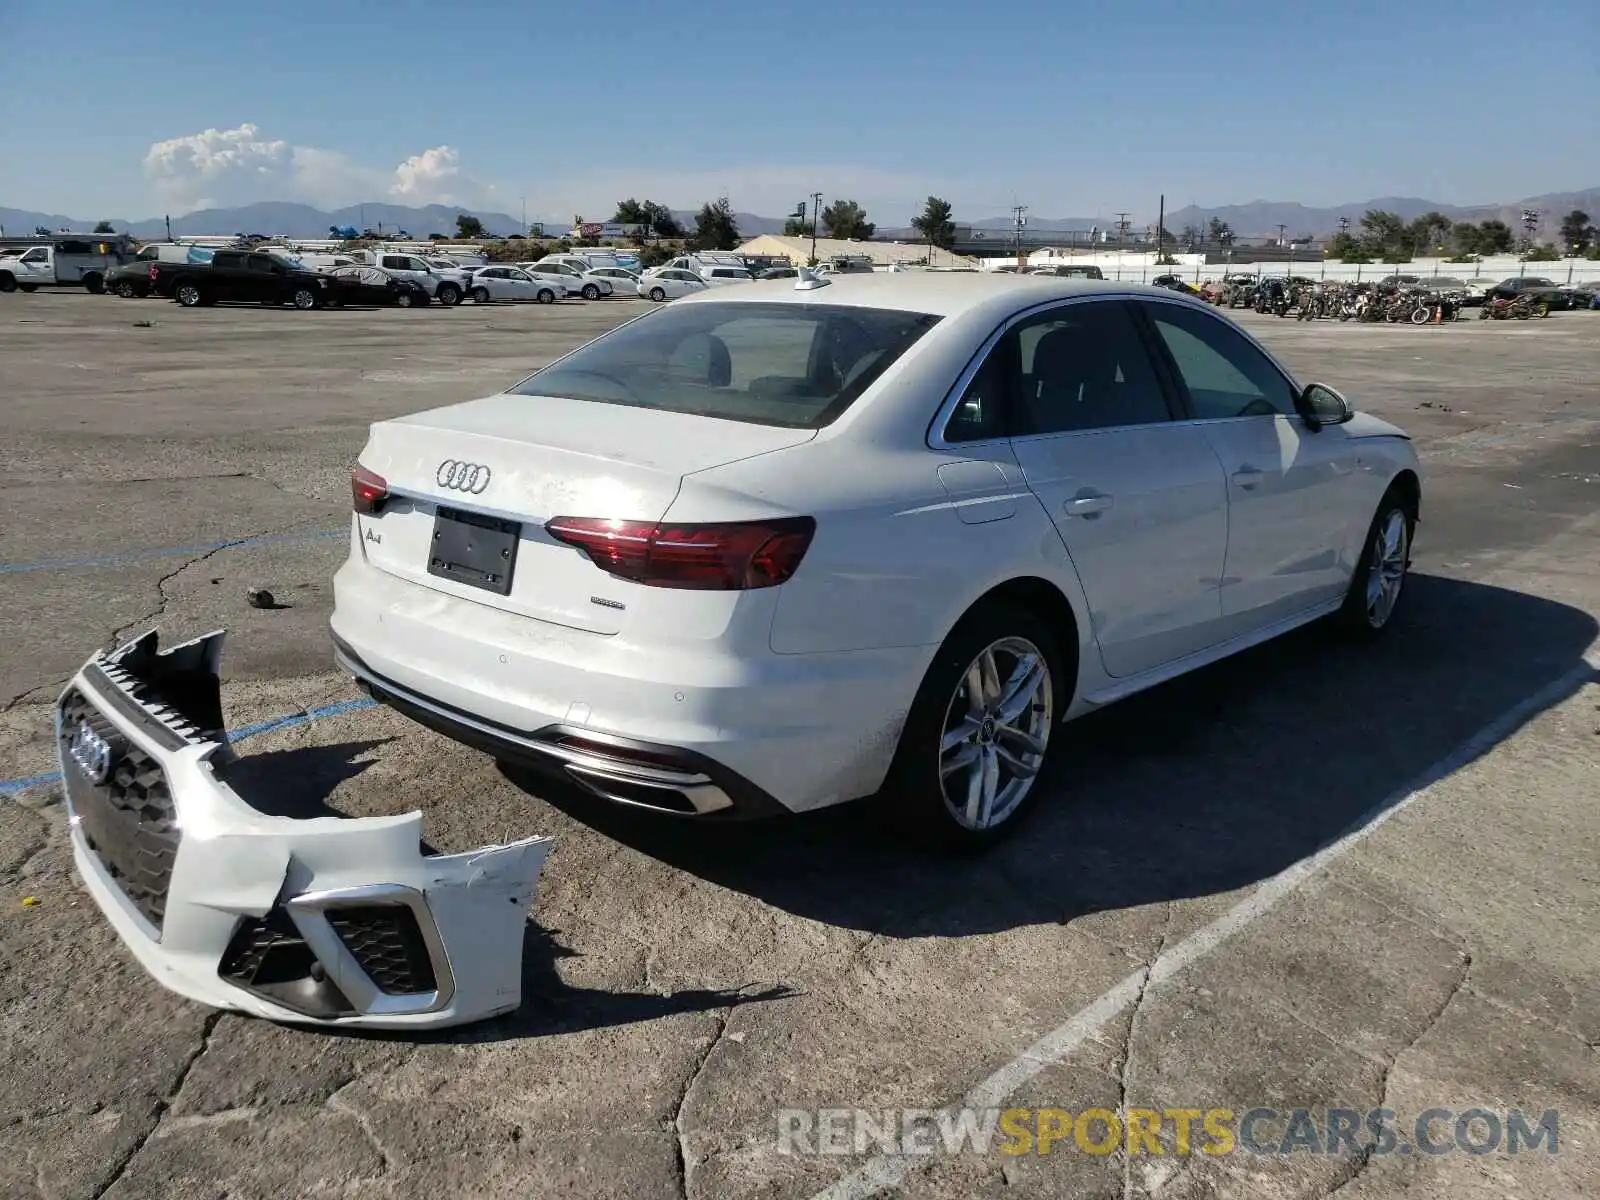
pixel 727 556
pixel 368 490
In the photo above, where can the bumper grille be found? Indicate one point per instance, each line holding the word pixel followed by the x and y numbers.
pixel 386 941
pixel 128 819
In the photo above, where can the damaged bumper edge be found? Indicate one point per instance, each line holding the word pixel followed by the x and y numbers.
pixel 324 920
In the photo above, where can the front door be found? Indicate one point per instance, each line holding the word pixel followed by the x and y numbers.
pixel 1291 490
pixel 1136 496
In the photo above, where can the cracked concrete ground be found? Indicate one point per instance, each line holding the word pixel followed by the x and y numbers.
pixel 683 984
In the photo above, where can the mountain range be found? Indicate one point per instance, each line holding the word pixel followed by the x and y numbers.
pixel 1259 217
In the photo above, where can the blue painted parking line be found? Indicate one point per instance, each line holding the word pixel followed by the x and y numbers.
pixel 111 560
pixel 11 787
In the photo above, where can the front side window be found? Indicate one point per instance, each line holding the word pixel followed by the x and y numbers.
pixel 1224 374
pixel 35 256
pixel 394 262
pixel 792 365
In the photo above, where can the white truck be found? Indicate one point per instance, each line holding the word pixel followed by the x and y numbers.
pixel 65 260
pixel 448 285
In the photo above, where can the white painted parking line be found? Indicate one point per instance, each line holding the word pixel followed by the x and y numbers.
pixel 885 1171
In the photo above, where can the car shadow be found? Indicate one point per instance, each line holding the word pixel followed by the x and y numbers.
pixel 297 782
pixel 1213 782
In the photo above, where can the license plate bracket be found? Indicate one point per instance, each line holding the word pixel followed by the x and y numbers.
pixel 473 549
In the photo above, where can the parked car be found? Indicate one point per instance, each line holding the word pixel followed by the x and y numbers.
pixel 512 283
pixel 591 284
pixel 240 276
pixel 1545 293
pixel 447 283
pixel 131 279
pixel 670 284
pixel 794 546
pixel 623 281
pixel 577 283
pixel 1173 283
pixel 374 285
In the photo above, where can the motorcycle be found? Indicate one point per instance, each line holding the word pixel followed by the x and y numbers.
pixel 1502 308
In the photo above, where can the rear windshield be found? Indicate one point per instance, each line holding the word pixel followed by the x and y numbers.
pixel 794 365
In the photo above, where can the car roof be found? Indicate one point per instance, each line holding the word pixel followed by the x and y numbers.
pixel 944 294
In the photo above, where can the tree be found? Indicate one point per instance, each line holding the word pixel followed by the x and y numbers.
pixel 106 227
pixel 1219 231
pixel 468 227
pixel 1193 236
pixel 1386 235
pixel 1544 253
pixel 1428 232
pixel 657 218
pixel 935 225
pixel 654 256
pixel 1495 237
pixel 797 227
pixel 1576 232
pixel 1466 236
pixel 847 219
pixel 715 228
pixel 1347 248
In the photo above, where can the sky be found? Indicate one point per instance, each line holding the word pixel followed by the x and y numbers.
pixel 1075 108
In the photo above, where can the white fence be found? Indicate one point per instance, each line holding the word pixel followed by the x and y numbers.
pixel 1141 267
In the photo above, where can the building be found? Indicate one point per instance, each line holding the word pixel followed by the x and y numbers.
pixel 798 251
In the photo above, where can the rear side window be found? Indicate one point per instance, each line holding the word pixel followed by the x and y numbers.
pixel 1070 369
pixel 793 365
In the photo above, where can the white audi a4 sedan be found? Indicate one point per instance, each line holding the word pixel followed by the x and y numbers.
pixel 784 545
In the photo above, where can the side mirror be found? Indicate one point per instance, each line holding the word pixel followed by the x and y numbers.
pixel 1320 405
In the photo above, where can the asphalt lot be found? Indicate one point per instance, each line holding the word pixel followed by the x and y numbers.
pixel 1136 945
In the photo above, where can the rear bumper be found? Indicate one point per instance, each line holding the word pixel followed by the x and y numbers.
pixel 771 732
pixel 624 770
pixel 316 920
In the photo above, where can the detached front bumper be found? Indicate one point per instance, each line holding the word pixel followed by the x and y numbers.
pixel 322 920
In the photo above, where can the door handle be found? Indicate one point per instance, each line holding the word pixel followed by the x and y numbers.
pixel 1247 477
pixel 1087 506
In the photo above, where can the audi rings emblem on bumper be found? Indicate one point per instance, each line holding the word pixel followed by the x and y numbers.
pixel 461 476
pixel 91 753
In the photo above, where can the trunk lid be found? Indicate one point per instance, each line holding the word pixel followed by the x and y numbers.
pixel 539 457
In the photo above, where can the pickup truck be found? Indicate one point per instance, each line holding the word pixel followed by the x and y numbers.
pixel 244 276
pixel 82 260
pixel 447 285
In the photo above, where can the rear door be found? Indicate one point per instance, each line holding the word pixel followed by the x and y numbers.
pixel 1137 496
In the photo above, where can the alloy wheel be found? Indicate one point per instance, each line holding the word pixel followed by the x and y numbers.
pixel 996 731
pixel 1387 573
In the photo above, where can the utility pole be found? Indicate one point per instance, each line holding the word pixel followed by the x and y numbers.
pixel 1161 230
pixel 1530 222
pixel 1122 228
pixel 816 217
pixel 1020 220
pixel 524 216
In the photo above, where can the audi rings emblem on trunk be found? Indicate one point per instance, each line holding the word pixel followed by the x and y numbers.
pixel 91 753
pixel 463 476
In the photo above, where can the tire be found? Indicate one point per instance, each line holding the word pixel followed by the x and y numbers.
pixel 94 283
pixel 1374 596
pixel 591 292
pixel 947 804
pixel 404 300
pixel 449 295
pixel 29 288
pixel 1483 313
pixel 1420 316
pixel 1541 309
pixel 189 295
pixel 657 295
pixel 8 282
pixel 126 290
pixel 304 299
pixel 546 296
pixel 480 295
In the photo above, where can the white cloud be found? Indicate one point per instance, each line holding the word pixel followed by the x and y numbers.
pixel 239 166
